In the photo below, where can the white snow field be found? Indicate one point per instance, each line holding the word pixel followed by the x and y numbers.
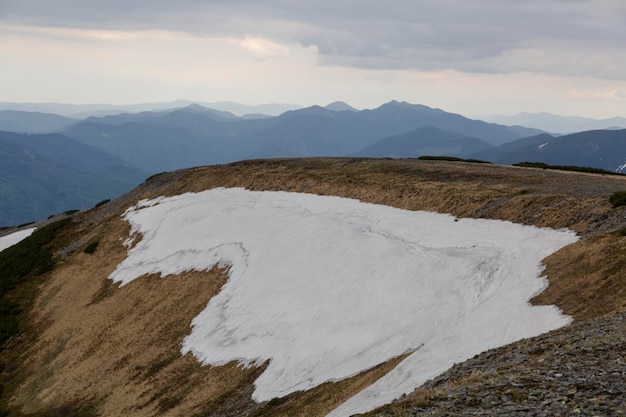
pixel 327 287
pixel 14 238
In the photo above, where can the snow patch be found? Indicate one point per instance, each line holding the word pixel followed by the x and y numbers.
pixel 327 287
pixel 14 238
pixel 542 146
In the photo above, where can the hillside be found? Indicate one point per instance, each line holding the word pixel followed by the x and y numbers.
pixel 604 149
pixel 90 347
pixel 45 174
pixel 425 141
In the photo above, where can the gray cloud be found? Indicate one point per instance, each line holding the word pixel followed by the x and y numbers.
pixel 567 37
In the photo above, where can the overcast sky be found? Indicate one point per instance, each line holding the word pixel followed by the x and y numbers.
pixel 475 57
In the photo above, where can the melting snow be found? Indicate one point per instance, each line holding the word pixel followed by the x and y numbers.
pixel 13 238
pixel 326 287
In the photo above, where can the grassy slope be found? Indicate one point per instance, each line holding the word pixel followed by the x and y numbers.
pixel 91 348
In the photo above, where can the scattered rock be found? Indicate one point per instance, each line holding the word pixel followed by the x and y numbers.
pixel 576 370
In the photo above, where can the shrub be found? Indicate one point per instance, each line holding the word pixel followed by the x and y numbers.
pixel 576 168
pixel 275 401
pixel 527 164
pixel 30 257
pixel 451 159
pixel 91 248
pixel 71 212
pixel 9 325
pixel 618 199
pixel 102 202
pixel 151 177
pixel 25 224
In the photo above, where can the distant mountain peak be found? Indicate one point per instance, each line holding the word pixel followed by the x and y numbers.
pixel 315 109
pixel 339 106
pixel 195 107
pixel 216 114
pixel 395 104
pixel 398 103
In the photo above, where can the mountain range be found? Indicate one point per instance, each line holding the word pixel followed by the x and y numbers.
pixel 157 137
pixel 559 124
pixel 82 111
pixel 194 135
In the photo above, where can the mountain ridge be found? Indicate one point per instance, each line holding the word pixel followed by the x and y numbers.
pixel 604 149
pixel 32 122
pixel 82 111
pixel 311 131
pixel 559 124
pixel 426 140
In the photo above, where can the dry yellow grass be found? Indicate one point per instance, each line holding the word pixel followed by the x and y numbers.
pixel 104 350
pixel 588 278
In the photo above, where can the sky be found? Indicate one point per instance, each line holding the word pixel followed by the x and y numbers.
pixel 363 284
pixel 474 57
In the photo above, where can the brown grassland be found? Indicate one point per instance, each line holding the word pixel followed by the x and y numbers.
pixel 89 347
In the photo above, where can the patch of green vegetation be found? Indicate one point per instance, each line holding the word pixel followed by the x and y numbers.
pixel 105 291
pixel 18 264
pixel 543 165
pixel 451 158
pixel 151 177
pixel 618 199
pixel 28 258
pixel 91 248
pixel 25 224
pixel 167 403
pixel 275 401
pixel 68 212
pixel 9 313
pixel 103 202
pixel 158 366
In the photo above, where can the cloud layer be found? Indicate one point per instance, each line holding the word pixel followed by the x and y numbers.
pixel 564 37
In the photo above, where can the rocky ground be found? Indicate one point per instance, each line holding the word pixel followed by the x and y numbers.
pixel 576 370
